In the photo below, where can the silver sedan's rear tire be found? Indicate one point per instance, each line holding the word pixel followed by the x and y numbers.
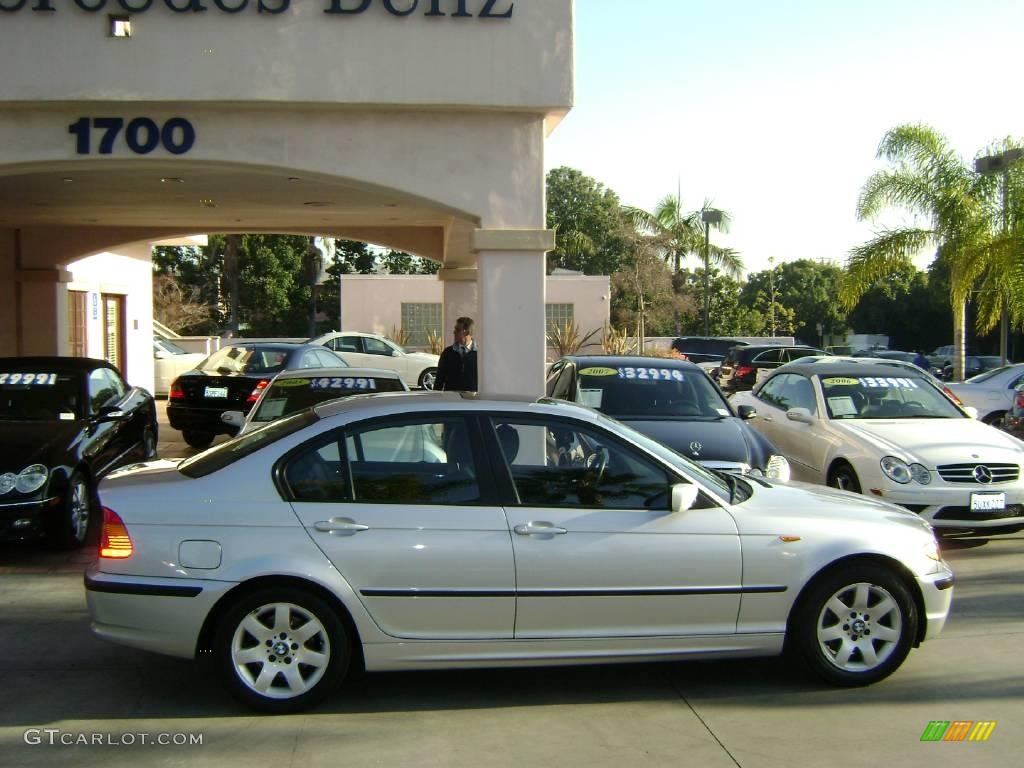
pixel 281 650
pixel 855 625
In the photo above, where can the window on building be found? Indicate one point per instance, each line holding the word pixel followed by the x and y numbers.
pixel 417 319
pixel 76 323
pixel 557 316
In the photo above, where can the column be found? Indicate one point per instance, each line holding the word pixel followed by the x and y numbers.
pixel 511 330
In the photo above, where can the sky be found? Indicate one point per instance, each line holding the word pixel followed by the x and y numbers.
pixel 774 110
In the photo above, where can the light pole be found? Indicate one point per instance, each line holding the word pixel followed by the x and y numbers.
pixel 989 166
pixel 709 216
pixel 771 289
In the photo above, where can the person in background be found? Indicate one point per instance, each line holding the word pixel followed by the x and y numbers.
pixel 921 361
pixel 456 369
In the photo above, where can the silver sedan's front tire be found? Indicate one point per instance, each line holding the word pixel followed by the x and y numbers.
pixel 281 650
pixel 855 625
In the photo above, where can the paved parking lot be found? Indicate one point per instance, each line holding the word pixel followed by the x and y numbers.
pixel 61 684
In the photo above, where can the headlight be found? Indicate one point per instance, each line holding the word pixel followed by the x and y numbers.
pixel 896 469
pixel 931 551
pixel 7 481
pixel 777 468
pixel 31 478
pixel 920 473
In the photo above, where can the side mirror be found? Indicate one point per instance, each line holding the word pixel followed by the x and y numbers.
pixel 233 418
pixel 684 496
pixel 801 415
pixel 971 411
pixel 746 412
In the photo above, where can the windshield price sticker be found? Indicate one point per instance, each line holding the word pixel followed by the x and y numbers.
pixel 338 382
pixel 877 382
pixel 651 374
pixel 37 379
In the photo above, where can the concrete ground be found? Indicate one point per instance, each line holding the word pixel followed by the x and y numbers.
pixel 62 684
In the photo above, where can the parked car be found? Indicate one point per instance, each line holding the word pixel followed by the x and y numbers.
pixel 974 365
pixel 1013 422
pixel 368 350
pixel 169 362
pixel 232 378
pixel 64 423
pixel 867 429
pixel 942 363
pixel 744 366
pixel 705 349
pixel 297 557
pixel 673 402
pixel 991 393
pixel 291 391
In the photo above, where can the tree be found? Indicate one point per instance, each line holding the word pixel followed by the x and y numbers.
pixel 643 296
pixel 676 235
pixel 728 315
pixel 179 308
pixel 930 180
pixel 587 220
pixel 804 292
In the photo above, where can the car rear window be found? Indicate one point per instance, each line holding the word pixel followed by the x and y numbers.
pixel 286 396
pixel 248 359
pixel 227 453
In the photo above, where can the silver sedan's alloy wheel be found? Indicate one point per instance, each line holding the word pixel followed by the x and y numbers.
pixel 280 651
pixel 428 377
pixel 859 627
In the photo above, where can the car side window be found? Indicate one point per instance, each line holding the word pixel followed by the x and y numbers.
pixel 310 359
pixel 774 392
pixel 563 387
pixel 104 389
pixel 328 360
pixel 346 344
pixel 318 473
pixel 414 462
pixel 555 464
pixel 769 356
pixel 373 346
pixel 549 385
pixel 801 394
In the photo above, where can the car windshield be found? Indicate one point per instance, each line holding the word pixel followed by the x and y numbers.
pixel 650 391
pixel 226 453
pixel 169 346
pixel 244 359
pixel 713 481
pixel 40 396
pixel 885 397
pixel 288 395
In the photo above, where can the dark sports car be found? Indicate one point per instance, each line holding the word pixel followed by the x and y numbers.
pixel 231 379
pixel 65 422
pixel 673 402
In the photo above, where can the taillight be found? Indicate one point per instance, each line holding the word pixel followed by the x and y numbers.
pixel 255 394
pixel 1019 403
pixel 115 542
pixel 743 371
pixel 176 392
pixel 949 392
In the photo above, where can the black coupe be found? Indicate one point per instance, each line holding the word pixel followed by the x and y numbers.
pixel 65 422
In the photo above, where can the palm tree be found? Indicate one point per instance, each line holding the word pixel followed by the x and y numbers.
pixel 927 179
pixel 677 235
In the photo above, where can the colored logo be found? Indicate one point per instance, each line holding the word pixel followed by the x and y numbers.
pixel 958 730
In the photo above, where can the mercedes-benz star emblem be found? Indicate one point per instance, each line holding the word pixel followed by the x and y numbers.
pixel 695 448
pixel 983 474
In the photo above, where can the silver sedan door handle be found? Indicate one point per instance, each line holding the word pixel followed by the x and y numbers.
pixel 343 525
pixel 544 528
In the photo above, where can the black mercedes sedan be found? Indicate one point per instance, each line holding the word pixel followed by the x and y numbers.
pixel 231 379
pixel 673 402
pixel 65 422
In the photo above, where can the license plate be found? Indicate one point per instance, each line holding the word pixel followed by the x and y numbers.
pixel 215 392
pixel 983 501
